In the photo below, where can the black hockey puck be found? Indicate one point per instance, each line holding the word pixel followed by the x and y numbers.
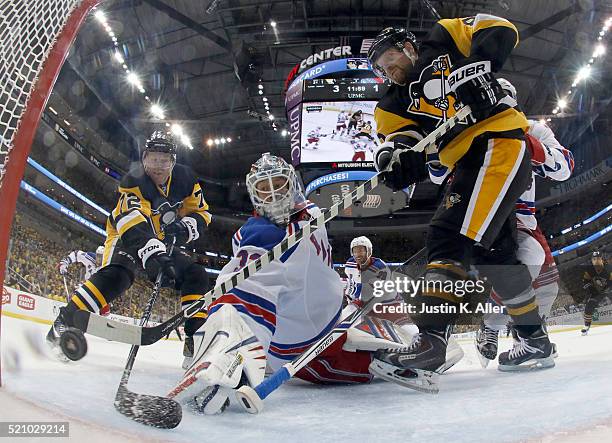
pixel 73 344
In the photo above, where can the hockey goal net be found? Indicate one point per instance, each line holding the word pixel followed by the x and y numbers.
pixel 35 37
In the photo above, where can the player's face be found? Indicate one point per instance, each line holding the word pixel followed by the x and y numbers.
pixel 272 189
pixel 158 166
pixel 597 261
pixel 361 254
pixel 395 65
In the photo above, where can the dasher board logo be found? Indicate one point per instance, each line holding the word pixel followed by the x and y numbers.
pixel 6 296
pixel 430 95
pixel 26 302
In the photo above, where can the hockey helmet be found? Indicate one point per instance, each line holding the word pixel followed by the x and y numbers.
pixel 161 141
pixel 159 167
pixel 274 188
pixel 507 87
pixel 362 241
pixel 389 38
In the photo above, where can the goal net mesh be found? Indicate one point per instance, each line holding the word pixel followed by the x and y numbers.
pixel 28 30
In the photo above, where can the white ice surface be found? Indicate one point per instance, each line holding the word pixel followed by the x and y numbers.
pixel 473 405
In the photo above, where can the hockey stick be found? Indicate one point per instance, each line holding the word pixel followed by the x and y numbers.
pixel 152 410
pixel 68 296
pixel 251 398
pixel 137 335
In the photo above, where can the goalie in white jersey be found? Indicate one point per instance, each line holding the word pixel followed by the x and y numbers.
pixel 274 315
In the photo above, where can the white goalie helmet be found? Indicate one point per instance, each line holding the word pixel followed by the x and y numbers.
pixel 274 188
pixel 362 241
pixel 507 87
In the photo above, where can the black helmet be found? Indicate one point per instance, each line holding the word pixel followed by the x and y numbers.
pixel 596 254
pixel 389 38
pixel 161 141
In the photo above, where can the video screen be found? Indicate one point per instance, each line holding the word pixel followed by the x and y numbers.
pixel 338 132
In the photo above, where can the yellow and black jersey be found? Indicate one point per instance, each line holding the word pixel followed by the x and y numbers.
pixel 424 102
pixel 136 218
pixel 597 278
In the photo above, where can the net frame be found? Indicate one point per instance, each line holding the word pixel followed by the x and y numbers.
pixel 35 38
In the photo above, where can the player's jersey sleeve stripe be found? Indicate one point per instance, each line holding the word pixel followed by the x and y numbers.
pixel 128 221
pixel 259 309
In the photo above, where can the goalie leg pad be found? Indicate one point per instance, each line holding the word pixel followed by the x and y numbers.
pixel 228 355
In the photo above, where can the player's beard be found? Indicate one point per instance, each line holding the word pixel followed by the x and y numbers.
pixel 159 176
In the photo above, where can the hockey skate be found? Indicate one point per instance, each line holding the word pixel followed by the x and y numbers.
pixel 227 357
pixel 486 342
pixel 530 352
pixel 585 330
pixel 417 366
pixel 187 351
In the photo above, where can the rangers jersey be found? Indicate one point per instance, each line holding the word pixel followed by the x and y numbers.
pixel 353 274
pixel 87 259
pixel 293 301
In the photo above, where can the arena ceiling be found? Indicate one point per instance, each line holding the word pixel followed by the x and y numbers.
pixel 187 55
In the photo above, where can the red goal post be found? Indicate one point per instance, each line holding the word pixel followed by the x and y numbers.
pixel 35 37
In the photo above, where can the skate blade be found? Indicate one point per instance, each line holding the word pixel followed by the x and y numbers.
pixel 531 365
pixel 451 360
pixel 420 380
pixel 484 361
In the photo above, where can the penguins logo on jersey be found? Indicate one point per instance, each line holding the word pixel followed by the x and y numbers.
pixel 430 95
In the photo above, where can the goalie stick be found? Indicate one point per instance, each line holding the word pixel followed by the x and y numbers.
pixel 251 398
pixel 137 335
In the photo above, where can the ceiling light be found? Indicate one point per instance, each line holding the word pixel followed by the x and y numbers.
pixel 157 111
pixel 133 78
pixel 52 110
pixel 554 111
pixel 100 16
pixel 176 129
pixel 562 103
pixel 209 142
pixel 229 140
pixel 260 86
pixel 260 92
pixel 284 133
pixel 222 140
pixel 185 140
pixel 542 121
pixel 216 141
pixel 119 57
pixel 142 90
pixel 583 73
pixel 273 24
pixel 599 50
pixel 265 99
pixel 67 122
pixel 271 117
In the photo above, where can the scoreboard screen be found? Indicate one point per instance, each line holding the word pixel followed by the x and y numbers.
pixel 340 89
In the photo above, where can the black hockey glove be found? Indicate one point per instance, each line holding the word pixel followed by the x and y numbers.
pixel 155 260
pixel 409 167
pixel 185 230
pixel 475 86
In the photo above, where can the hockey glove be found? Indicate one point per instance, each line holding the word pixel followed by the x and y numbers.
pixel 475 86
pixel 63 267
pixel 407 169
pixel 154 259
pixel 185 230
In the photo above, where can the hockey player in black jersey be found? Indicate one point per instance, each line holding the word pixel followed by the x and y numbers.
pixel 476 224
pixel 157 199
pixel 596 281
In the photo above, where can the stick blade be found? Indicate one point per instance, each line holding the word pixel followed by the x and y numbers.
pixel 99 326
pixel 249 400
pixel 150 410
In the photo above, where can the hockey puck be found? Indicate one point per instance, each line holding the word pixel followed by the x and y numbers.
pixel 73 344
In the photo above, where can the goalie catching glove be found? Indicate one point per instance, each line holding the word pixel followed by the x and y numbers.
pixel 403 170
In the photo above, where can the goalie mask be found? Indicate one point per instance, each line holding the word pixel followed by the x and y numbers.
pixel 159 157
pixel 99 255
pixel 274 188
pixel 360 257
